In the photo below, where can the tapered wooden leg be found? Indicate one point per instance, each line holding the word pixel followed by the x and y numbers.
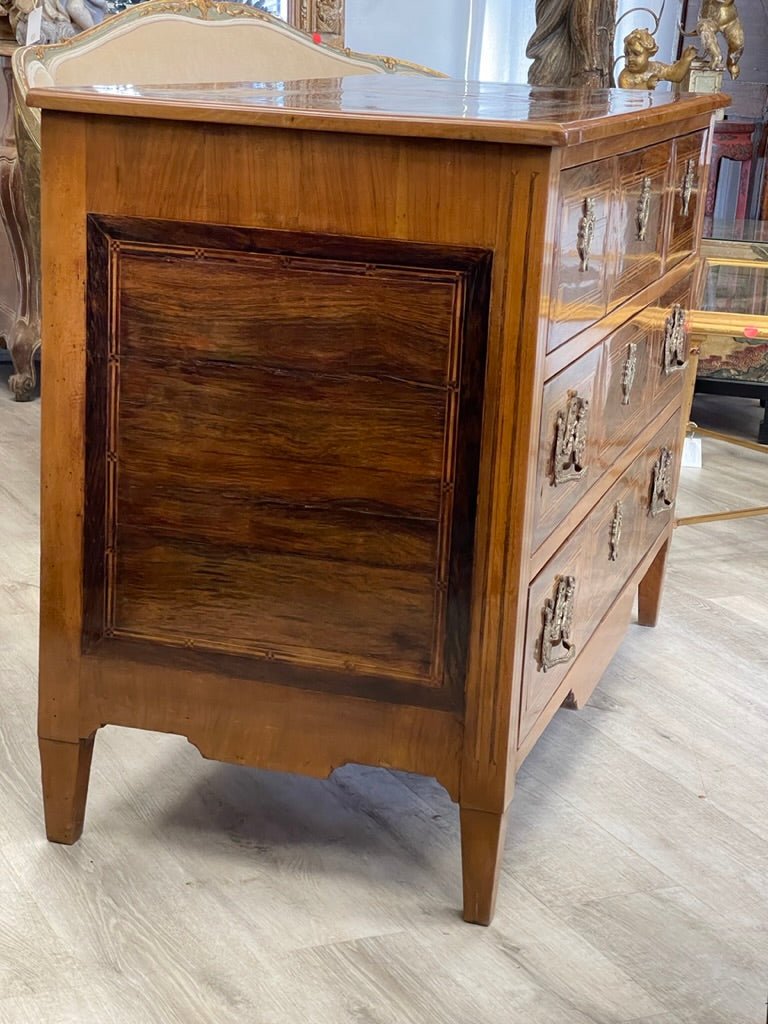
pixel 650 589
pixel 482 846
pixel 66 768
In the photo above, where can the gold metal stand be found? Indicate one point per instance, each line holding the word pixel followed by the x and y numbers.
pixel 714 517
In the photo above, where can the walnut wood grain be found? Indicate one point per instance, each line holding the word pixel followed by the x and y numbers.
pixel 691 154
pixel 641 209
pixel 293 438
pixel 291 497
pixel 399 105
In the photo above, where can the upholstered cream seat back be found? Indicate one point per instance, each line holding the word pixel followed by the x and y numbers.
pixel 163 42
pixel 168 49
pixel 186 42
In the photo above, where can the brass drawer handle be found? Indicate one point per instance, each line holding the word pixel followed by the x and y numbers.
pixel 643 209
pixel 585 234
pixel 661 484
pixel 557 644
pixel 616 523
pixel 628 373
pixel 686 186
pixel 675 340
pixel 571 440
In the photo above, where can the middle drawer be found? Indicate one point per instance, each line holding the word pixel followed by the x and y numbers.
pixel 595 407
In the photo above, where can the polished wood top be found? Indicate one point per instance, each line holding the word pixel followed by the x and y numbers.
pixel 396 105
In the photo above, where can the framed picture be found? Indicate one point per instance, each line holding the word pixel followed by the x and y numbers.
pixel 323 17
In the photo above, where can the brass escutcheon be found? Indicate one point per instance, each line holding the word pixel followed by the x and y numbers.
pixel 661 484
pixel 675 337
pixel 557 646
pixel 618 519
pixel 586 234
pixel 568 462
pixel 643 209
pixel 628 373
pixel 686 186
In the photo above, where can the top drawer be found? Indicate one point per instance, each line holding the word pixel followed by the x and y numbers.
pixel 622 222
pixel 639 229
pixel 685 189
pixel 579 282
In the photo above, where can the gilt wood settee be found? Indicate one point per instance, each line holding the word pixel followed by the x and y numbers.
pixel 177 42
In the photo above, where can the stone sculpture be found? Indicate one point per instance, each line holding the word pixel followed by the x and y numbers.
pixel 61 18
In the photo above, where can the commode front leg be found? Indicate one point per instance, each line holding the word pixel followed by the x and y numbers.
pixel 651 588
pixel 66 769
pixel 482 848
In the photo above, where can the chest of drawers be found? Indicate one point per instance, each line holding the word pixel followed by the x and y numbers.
pixel 361 420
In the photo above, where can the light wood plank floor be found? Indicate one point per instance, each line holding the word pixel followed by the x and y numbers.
pixel 635 885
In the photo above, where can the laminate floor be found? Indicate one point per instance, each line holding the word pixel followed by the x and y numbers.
pixel 635 883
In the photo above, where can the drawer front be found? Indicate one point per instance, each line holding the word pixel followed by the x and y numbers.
pixel 639 220
pixel 628 520
pixel 671 344
pixel 685 192
pixel 568 443
pixel 579 284
pixel 555 629
pixel 656 479
pixel 616 535
pixel 627 387
pixel 570 596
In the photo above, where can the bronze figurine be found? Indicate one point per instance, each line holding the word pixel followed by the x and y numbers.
pixel 721 16
pixel 641 72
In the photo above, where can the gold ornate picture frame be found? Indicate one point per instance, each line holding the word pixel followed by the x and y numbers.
pixel 325 17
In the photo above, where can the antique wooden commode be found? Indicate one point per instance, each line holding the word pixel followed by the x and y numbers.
pixel 361 413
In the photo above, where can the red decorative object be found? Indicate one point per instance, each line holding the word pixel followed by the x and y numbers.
pixel 732 140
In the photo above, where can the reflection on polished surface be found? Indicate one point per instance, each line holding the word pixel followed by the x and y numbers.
pixel 737 288
pixel 566 115
pixel 735 230
pixel 736 277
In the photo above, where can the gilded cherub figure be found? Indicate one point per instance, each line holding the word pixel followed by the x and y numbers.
pixel 721 16
pixel 641 72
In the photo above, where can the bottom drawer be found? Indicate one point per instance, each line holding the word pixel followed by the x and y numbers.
pixel 570 596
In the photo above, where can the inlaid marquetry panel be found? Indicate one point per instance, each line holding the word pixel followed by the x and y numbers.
pixel 582 253
pixel 642 178
pixel 283 439
pixel 686 186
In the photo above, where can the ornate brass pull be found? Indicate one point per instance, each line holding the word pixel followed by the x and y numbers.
pixel 686 186
pixel 585 234
pixel 616 523
pixel 629 372
pixel 661 484
pixel 643 209
pixel 675 340
pixel 568 461
pixel 557 644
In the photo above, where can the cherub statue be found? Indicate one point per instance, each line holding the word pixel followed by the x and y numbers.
pixel 721 16
pixel 61 18
pixel 640 72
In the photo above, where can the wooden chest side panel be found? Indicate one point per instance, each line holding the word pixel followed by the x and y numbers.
pixel 285 478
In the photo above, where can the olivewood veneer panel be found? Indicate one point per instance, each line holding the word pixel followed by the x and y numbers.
pixel 283 440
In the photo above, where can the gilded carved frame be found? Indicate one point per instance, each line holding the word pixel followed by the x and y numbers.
pixel 325 17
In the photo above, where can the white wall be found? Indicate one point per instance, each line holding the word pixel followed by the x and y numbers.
pixel 483 39
pixel 436 33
